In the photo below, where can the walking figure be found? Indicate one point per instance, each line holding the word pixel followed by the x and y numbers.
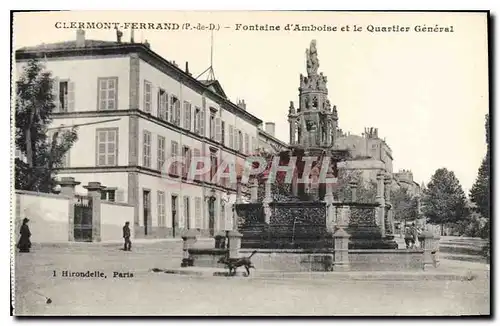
pixel 408 238
pixel 414 235
pixel 24 243
pixel 126 236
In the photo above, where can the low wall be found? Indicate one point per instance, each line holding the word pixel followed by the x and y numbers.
pixel 385 260
pixel 290 260
pixel 113 218
pixel 298 260
pixel 207 257
pixel 48 215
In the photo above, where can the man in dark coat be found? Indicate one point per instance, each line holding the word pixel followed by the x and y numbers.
pixel 24 243
pixel 126 236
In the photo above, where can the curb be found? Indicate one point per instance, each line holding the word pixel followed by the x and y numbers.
pixel 342 276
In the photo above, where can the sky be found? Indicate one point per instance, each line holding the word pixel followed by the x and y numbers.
pixel 427 93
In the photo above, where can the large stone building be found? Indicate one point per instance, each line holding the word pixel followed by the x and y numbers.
pixel 135 109
pixel 369 154
pixel 404 178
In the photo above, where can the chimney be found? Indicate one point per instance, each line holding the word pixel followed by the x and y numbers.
pixel 270 128
pixel 119 35
pixel 132 36
pixel 187 68
pixel 242 104
pixel 146 43
pixel 80 38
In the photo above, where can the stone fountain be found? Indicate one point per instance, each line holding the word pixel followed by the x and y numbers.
pixel 303 213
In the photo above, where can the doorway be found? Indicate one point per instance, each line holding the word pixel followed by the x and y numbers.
pixel 174 215
pixel 211 217
pixel 146 200
pixel 187 214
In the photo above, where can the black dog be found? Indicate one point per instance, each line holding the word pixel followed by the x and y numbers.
pixel 234 263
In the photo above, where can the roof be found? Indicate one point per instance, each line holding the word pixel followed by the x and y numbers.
pixel 215 86
pixel 97 47
pixel 68 45
pixel 268 135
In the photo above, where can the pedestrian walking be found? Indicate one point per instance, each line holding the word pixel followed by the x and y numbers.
pixel 126 236
pixel 408 238
pixel 24 243
pixel 414 235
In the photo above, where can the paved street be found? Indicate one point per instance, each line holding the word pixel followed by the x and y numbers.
pixel 148 293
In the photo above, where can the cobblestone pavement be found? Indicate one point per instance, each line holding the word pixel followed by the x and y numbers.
pixel 148 293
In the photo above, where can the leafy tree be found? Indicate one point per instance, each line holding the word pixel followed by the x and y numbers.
pixel 480 191
pixel 444 200
pixel 366 191
pixel 34 105
pixel 404 204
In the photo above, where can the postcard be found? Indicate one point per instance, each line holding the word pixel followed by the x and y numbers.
pixel 250 163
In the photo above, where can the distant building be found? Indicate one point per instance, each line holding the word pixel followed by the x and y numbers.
pixel 404 178
pixel 369 154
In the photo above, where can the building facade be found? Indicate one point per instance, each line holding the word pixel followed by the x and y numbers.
pixel 133 110
pixel 369 154
pixel 404 178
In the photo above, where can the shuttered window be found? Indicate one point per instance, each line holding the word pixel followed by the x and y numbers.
pixel 148 97
pixel 107 147
pixel 108 93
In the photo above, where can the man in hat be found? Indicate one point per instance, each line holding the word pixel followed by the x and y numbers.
pixel 24 243
pixel 126 236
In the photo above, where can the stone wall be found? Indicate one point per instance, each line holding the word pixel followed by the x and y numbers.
pixel 385 260
pixel 48 214
pixel 113 218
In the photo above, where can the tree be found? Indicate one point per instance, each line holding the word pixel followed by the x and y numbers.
pixel 366 190
pixel 480 191
pixel 444 200
pixel 34 106
pixel 404 204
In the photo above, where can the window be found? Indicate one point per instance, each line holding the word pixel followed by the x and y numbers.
pixel 108 194
pixel 107 147
pixel 223 214
pixel 63 92
pixel 213 164
pixel 218 134
pixel 146 149
pixel 240 141
pixel 175 111
pixel 236 138
pixel 199 163
pixel 231 136
pixel 203 122
pixel 148 97
pixel 162 104
pixel 174 153
pixel 254 145
pixel 247 146
pixel 197 213
pixel 108 93
pixel 197 120
pixel 161 208
pixel 187 216
pixel 187 115
pixel 66 96
pixel 223 133
pixel 212 125
pixel 161 152
pixel 186 155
